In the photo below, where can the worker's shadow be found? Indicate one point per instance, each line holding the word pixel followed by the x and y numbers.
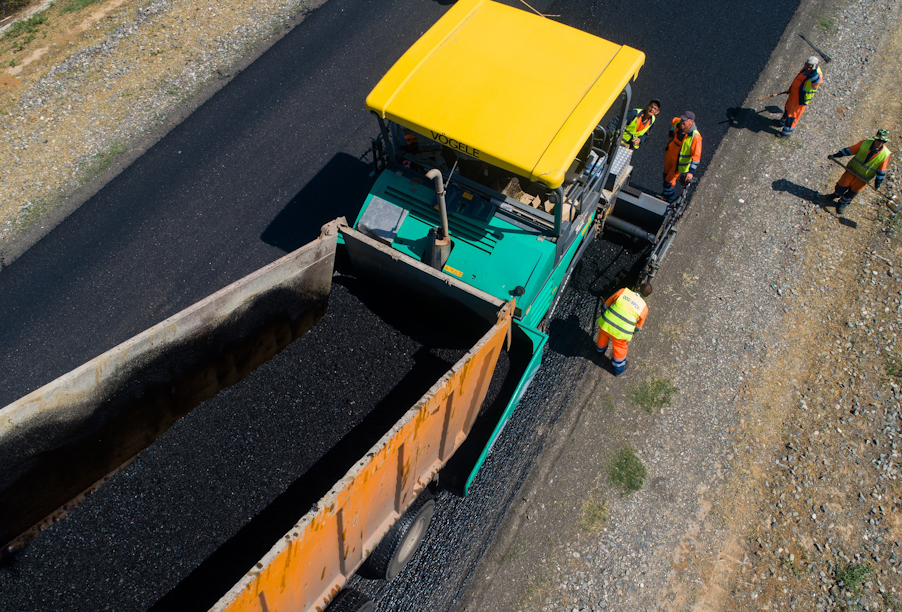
pixel 752 120
pixel 567 337
pixel 339 189
pixel 810 195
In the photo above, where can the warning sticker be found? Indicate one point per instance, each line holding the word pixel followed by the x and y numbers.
pixel 451 270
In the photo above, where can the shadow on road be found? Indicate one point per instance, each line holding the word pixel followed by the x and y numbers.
pixel 799 191
pixel 567 337
pixel 338 189
pixel 810 195
pixel 752 120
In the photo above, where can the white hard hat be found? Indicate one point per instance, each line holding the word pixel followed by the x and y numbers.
pixel 811 61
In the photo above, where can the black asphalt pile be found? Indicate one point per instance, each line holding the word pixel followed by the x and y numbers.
pixel 194 511
pixel 462 528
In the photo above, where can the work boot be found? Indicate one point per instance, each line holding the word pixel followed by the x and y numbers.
pixel 841 208
pixel 829 197
pixel 619 371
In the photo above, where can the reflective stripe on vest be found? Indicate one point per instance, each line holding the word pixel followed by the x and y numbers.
pixel 633 127
pixel 808 88
pixel 867 169
pixel 685 158
pixel 619 319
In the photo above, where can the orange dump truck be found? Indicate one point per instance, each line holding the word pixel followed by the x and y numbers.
pixel 65 439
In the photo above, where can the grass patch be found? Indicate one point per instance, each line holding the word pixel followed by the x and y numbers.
pixel 654 394
pixel 76 5
pixel 854 575
pixel 101 161
pixel 534 588
pixel 511 555
pixel 826 24
pixel 28 26
pixel 893 222
pixel 607 403
pixel 894 367
pixel 594 514
pixel 627 472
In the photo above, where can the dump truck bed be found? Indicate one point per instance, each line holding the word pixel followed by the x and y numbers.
pixel 256 457
pixel 356 416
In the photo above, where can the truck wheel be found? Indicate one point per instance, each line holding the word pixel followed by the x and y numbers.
pixel 401 542
pixel 349 600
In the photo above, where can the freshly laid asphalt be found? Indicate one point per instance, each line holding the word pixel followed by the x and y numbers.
pixel 264 163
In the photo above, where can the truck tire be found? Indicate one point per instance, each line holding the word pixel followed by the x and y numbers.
pixel 349 600
pixel 401 542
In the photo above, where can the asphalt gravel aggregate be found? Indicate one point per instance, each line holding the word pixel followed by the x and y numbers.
pixel 178 526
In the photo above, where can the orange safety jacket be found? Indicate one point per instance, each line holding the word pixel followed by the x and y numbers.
pixel 682 155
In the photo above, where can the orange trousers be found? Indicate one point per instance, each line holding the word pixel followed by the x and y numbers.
pixel 620 346
pixel 851 181
pixel 794 109
pixel 670 163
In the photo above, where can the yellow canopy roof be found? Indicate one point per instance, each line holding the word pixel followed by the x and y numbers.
pixel 514 89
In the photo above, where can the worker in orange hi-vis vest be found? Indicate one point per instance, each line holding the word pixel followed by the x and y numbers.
pixel 800 93
pixel 624 313
pixel 683 152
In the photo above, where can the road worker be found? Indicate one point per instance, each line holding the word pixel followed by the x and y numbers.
pixel 624 313
pixel 683 152
pixel 638 123
pixel 800 94
pixel 870 162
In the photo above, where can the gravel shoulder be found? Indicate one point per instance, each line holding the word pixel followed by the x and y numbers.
pixel 772 478
pixel 89 90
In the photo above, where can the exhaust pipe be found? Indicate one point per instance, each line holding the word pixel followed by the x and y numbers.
pixel 441 245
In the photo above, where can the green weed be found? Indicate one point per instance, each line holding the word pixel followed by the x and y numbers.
pixel 826 23
pixel 854 575
pixel 893 367
pixel 654 394
pixel 627 472
pixel 26 26
pixel 607 402
pixel 76 5
pixel 101 161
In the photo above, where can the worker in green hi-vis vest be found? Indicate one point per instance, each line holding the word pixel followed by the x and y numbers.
pixel 638 123
pixel 870 162
pixel 623 314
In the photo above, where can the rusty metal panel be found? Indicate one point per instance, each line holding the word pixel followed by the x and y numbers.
pixel 311 563
pixel 62 438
